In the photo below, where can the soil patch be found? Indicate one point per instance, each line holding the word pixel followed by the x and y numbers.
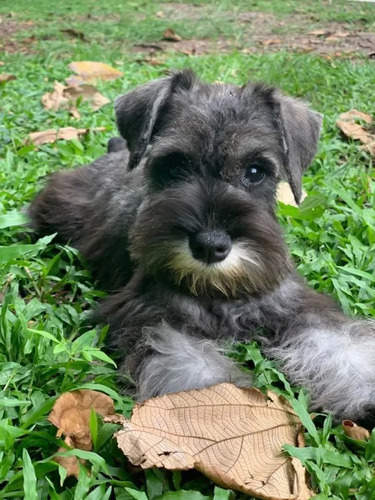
pixel 9 40
pixel 329 43
pixel 265 32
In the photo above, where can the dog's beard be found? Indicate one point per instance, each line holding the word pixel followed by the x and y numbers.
pixel 242 272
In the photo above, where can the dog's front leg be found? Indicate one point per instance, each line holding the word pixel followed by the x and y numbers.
pixel 171 361
pixel 330 354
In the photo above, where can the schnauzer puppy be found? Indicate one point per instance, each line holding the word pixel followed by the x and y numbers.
pixel 178 220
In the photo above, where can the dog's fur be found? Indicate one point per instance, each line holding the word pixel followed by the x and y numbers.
pixel 201 163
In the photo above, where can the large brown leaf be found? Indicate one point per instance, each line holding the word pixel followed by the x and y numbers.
pixel 234 436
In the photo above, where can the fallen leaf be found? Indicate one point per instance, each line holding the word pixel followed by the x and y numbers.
pixel 170 35
pixel 75 80
pixel 354 131
pixel 348 126
pixel 66 97
pixel 271 41
pixel 354 431
pixel 370 148
pixel 87 93
pixel 234 436
pixel 317 32
pixel 301 481
pixel 6 77
pixel 336 36
pixel 69 463
pixel 74 33
pixel 286 196
pixel 354 114
pixel 91 70
pixel 116 418
pixel 152 61
pixel 52 135
pixel 55 99
pixel 152 47
pixel 71 415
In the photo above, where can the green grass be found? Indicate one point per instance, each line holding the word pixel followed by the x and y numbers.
pixel 47 342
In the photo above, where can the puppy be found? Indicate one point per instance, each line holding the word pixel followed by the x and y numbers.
pixel 180 221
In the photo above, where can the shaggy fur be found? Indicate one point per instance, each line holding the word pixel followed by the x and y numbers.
pixel 179 221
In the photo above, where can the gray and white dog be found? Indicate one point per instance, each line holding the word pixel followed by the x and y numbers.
pixel 179 221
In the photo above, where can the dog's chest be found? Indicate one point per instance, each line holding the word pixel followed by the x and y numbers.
pixel 236 320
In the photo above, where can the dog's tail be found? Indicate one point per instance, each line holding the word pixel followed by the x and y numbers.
pixel 116 144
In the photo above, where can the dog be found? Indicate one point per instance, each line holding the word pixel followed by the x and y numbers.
pixel 178 222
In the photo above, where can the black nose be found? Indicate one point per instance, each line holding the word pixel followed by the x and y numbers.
pixel 210 246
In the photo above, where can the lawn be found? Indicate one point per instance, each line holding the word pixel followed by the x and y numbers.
pixel 48 343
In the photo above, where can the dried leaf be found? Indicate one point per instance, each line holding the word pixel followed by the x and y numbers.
pixel 336 36
pixel 354 131
pixel 285 194
pixel 152 61
pixel 233 436
pixel 370 148
pixel 348 126
pixel 55 99
pixel 71 415
pixel 71 464
pixel 301 481
pixel 354 431
pixel 98 101
pixel 116 418
pixel 170 35
pixel 74 80
pixel 152 47
pixel 74 33
pixel 86 93
pixel 354 114
pixel 271 41
pixel 317 32
pixel 66 97
pixel 52 135
pixel 5 77
pixel 91 71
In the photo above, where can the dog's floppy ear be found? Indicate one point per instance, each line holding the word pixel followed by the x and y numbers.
pixel 138 111
pixel 300 131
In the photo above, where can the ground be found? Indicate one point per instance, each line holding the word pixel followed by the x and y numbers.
pixel 320 51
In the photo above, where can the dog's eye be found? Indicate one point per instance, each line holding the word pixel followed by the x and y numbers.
pixel 254 174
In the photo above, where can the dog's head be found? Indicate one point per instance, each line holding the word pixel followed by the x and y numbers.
pixel 214 156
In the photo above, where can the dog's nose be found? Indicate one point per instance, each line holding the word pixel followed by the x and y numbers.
pixel 210 246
